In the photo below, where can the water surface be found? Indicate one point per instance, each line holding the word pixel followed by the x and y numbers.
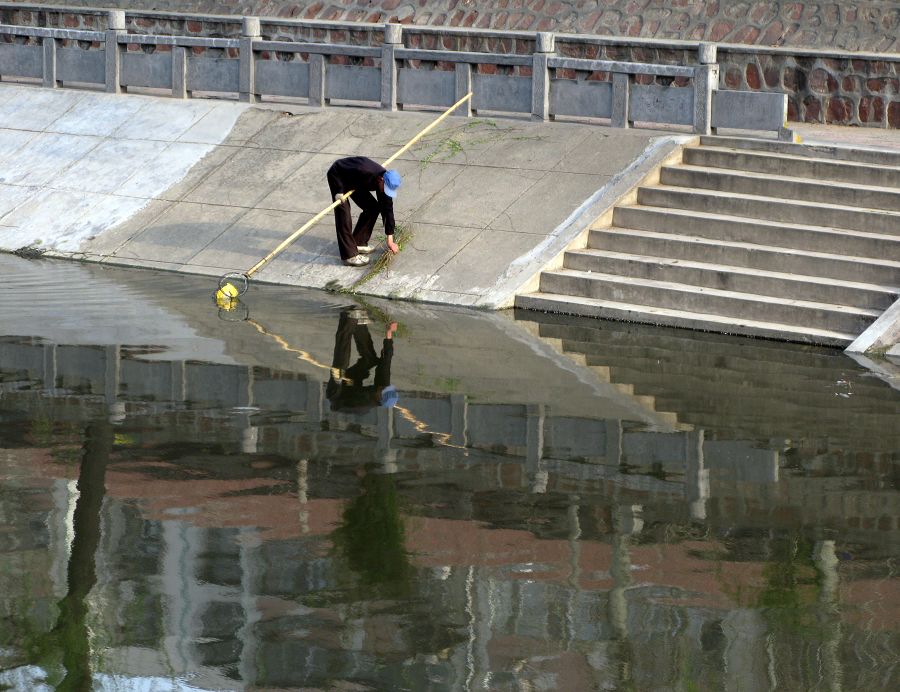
pixel 193 499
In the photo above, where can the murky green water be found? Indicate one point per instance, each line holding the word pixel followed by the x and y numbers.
pixel 194 503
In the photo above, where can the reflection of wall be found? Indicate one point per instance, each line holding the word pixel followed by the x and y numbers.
pixel 566 610
pixel 702 471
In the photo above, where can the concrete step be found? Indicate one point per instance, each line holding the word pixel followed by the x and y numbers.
pixel 761 232
pixel 816 151
pixel 734 304
pixel 782 187
pixel 628 312
pixel 602 374
pixel 772 383
pixel 730 370
pixel 647 375
pixel 743 254
pixel 696 350
pixel 816 418
pixel 775 163
pixel 718 414
pixel 815 415
pixel 737 367
pixel 755 206
pixel 802 368
pixel 723 363
pixel 740 279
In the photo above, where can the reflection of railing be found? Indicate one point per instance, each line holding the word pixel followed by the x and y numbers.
pixel 531 445
pixel 540 83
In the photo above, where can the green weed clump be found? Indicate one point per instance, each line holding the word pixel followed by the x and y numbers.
pixel 456 140
pixel 403 237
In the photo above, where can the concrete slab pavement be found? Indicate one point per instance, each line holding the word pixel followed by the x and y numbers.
pixel 215 186
pixel 856 137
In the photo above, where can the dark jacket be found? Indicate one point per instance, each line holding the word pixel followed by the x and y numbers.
pixel 362 173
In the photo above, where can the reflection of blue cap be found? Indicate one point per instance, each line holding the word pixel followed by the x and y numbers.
pixel 389 396
pixel 391 183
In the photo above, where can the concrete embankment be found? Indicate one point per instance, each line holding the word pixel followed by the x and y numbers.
pixel 208 187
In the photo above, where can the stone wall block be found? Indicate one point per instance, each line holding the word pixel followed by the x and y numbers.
pixel 821 82
pixel 773 35
pixel 793 79
pixel 793 109
pixel 851 84
pixel 893 114
pixel 763 12
pixel 733 77
pixel 811 111
pixel 792 10
pixel 752 77
pixel 839 111
pixel 720 30
pixel 836 64
pixel 746 34
pixel 871 109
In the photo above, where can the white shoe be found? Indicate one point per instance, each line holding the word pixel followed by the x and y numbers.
pixel 365 249
pixel 357 261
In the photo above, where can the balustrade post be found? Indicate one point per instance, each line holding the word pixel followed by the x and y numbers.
pixel 393 39
pixel 463 87
pixel 179 72
pixel 49 67
pixel 115 28
pixel 459 418
pixel 535 420
pixel 621 96
pixel 249 33
pixel 706 81
pixel 317 80
pixel 540 76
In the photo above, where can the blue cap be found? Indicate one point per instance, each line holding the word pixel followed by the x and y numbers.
pixel 391 182
pixel 389 396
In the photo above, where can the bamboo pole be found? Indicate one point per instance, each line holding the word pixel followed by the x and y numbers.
pixel 305 227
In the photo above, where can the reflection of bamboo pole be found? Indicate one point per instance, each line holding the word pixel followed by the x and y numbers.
pixel 305 227
pixel 440 438
pixel 281 341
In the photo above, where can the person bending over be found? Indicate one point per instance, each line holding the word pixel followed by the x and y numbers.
pixel 363 176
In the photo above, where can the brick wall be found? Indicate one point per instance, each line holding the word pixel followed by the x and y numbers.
pixel 858 25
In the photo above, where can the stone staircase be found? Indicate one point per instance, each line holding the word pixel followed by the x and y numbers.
pixel 755 237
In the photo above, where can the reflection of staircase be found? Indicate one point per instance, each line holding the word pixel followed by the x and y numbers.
pixel 740 388
pixel 561 341
pixel 746 236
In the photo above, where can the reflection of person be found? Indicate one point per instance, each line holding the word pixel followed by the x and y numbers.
pixel 346 388
pixel 363 176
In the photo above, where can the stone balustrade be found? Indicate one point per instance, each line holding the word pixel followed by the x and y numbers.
pixel 824 81
pixel 522 74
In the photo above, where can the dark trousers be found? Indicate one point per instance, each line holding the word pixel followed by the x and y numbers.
pixel 346 389
pixel 349 328
pixel 349 240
